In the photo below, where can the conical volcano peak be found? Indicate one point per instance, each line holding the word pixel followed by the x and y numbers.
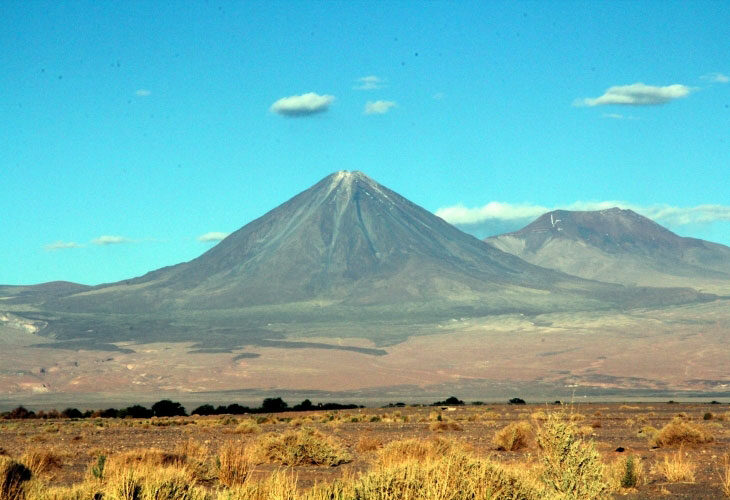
pixel 347 178
pixel 345 183
pixel 349 175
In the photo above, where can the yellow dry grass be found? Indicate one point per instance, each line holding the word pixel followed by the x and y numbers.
pixel 301 447
pixel 680 432
pixel 725 474
pixel 513 437
pixel 234 464
pixel 677 467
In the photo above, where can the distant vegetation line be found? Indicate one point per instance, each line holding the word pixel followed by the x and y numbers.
pixel 169 408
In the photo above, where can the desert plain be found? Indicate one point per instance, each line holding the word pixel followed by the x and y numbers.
pixel 63 452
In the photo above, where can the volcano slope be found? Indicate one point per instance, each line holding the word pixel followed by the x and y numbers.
pixel 347 251
pixel 619 246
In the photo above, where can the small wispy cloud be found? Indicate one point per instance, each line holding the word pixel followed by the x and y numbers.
pixel 668 214
pixel 715 78
pixel 378 107
pixel 143 92
pixel 110 240
pixel 618 116
pixel 61 245
pixel 438 96
pixel 302 105
pixel 636 94
pixel 212 236
pixel 371 82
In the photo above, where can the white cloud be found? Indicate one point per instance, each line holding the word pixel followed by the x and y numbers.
pixel 459 214
pixel 61 245
pixel 371 82
pixel 636 94
pixel 619 116
pixel 212 236
pixel 666 214
pixel 716 78
pixel 438 96
pixel 378 107
pixel 302 105
pixel 143 92
pixel 110 240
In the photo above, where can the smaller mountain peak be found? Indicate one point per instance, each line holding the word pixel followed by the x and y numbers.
pixel 616 211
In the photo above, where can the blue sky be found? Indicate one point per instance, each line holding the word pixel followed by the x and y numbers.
pixel 131 129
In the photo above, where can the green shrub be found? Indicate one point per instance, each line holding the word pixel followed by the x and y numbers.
pixel 97 470
pixel 629 478
pixel 571 467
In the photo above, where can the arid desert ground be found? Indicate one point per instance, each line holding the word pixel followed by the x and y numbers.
pixel 676 450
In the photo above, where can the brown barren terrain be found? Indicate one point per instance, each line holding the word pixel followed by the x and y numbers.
pixel 681 348
pixel 618 431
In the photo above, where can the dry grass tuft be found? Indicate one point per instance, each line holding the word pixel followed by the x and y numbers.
pixel 585 431
pixel 648 432
pixel 195 457
pixel 513 437
pixel 539 415
pixel 280 485
pixel 149 457
pixel 234 464
pixel 41 491
pixel 368 443
pixel 725 475
pixel 124 485
pixel 13 478
pixel 304 446
pixel 445 424
pixel 453 476
pixel 248 426
pixel 421 450
pixel 41 460
pixel 679 432
pixel 170 483
pixel 677 467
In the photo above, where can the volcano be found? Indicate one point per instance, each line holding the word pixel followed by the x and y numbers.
pixel 326 291
pixel 346 255
pixel 348 240
pixel 618 246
